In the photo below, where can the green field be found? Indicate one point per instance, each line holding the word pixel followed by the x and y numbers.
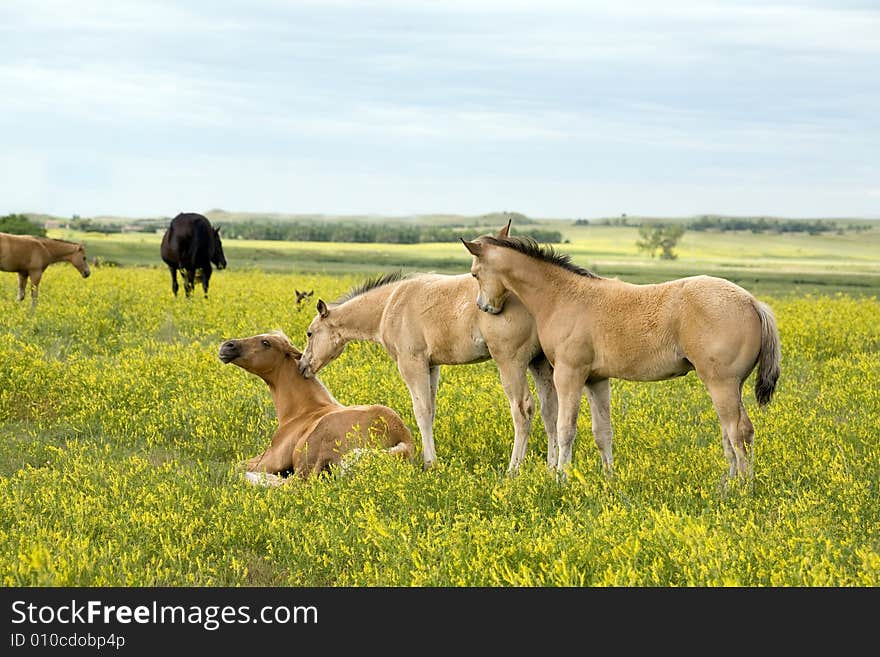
pixel 797 263
pixel 120 433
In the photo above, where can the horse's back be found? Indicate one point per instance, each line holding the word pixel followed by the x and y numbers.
pixel 661 330
pixel 183 240
pixel 21 252
pixel 362 425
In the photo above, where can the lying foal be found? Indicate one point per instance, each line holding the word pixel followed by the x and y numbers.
pixel 314 430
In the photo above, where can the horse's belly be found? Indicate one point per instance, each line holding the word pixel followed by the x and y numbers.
pixel 451 347
pixel 644 367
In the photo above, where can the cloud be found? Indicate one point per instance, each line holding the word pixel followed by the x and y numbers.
pixel 536 92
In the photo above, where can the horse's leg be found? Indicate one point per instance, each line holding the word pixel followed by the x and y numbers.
pixel 434 373
pixel 189 281
pixel 36 275
pixel 542 374
pixel 569 383
pixel 522 408
pixel 729 454
pixel 206 276
pixel 174 285
pixel 737 431
pixel 276 458
pixel 416 374
pixel 599 396
pixel 22 285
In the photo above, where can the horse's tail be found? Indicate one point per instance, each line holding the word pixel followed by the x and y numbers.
pixel 770 355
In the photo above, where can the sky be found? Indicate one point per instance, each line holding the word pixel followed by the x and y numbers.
pixel 555 108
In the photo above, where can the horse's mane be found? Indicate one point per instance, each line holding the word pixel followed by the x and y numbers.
pixel 371 284
pixel 58 239
pixel 529 247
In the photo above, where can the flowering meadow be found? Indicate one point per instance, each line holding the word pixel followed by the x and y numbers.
pixel 121 433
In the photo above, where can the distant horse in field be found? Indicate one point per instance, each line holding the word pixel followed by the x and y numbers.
pixel 29 256
pixel 427 320
pixel 593 329
pixel 190 243
pixel 302 297
pixel 314 430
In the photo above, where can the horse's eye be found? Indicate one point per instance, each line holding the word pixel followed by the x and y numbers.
pixel 308 334
pixel 266 343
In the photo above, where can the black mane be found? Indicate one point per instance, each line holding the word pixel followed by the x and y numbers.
pixel 529 247
pixel 371 284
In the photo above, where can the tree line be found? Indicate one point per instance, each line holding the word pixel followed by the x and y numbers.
pixel 19 224
pixel 397 233
pixel 306 231
pixel 728 224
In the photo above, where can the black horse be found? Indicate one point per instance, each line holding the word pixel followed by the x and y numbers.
pixel 191 244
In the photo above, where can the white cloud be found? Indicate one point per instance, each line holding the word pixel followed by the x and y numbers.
pixel 105 92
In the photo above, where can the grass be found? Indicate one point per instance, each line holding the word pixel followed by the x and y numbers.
pixel 120 431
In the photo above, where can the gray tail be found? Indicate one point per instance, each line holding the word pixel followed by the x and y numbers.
pixel 770 355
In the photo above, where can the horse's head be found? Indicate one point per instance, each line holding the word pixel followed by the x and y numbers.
pixel 217 256
pixel 259 354
pixel 493 293
pixel 80 261
pixel 325 342
pixel 302 297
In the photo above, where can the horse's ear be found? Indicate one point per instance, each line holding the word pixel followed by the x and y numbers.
pixel 475 248
pixel 217 229
pixel 504 232
pixel 323 310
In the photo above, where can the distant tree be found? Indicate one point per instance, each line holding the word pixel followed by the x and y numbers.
pixel 19 224
pixel 660 237
pixel 669 240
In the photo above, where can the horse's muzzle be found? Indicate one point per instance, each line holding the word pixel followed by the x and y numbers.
pixel 229 351
pixel 86 273
pixel 487 308
pixel 305 369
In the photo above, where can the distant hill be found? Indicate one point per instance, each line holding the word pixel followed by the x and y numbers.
pixel 218 215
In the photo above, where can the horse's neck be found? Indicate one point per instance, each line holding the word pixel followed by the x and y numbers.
pixel 539 284
pixel 360 318
pixel 59 250
pixel 296 396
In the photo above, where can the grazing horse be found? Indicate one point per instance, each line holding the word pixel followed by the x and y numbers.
pixel 314 430
pixel 190 243
pixel 593 329
pixel 427 320
pixel 29 256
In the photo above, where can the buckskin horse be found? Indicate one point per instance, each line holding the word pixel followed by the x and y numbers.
pixel 190 243
pixel 29 256
pixel 427 320
pixel 593 329
pixel 314 430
